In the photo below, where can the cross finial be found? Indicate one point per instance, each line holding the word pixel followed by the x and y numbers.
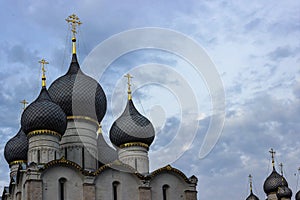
pixel 74 21
pixel 128 76
pixel 272 152
pixel 24 102
pixel 43 62
pixel 281 168
pixel 250 182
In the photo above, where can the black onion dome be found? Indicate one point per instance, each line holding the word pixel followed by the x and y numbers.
pixel 252 197
pixel 16 148
pixel 44 114
pixel 297 197
pixel 130 127
pixel 274 181
pixel 78 94
pixel 284 192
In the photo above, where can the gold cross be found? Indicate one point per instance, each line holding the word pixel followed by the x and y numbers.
pixel 250 181
pixel 273 154
pixel 24 102
pixel 74 21
pixel 128 76
pixel 43 62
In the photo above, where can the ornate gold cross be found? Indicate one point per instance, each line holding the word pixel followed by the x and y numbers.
pixel 43 62
pixel 74 21
pixel 129 77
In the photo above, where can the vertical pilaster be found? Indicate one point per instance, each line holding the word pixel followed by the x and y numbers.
pixel 190 195
pixel 34 189
pixel 89 189
pixel 145 193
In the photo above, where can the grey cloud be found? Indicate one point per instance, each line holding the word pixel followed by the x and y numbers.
pixel 281 52
pixel 296 89
pixel 252 25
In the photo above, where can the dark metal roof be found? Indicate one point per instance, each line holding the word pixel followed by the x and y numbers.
pixel 16 148
pixel 131 126
pixel 44 114
pixel 284 192
pixel 78 94
pixel 297 197
pixel 106 154
pixel 252 197
pixel 272 183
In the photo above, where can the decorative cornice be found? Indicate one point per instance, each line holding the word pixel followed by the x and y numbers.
pixel 16 162
pixel 43 132
pixel 67 163
pixel 169 168
pixel 84 118
pixel 132 144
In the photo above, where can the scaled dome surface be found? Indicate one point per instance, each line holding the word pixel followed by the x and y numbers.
pixel 274 181
pixel 130 127
pixel 44 114
pixel 78 94
pixel 16 148
pixel 252 197
pixel 284 192
pixel 297 197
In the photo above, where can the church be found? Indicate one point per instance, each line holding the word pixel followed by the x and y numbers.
pixel 275 186
pixel 59 152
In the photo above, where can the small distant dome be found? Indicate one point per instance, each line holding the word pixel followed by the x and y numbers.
pixel 274 181
pixel 44 114
pixel 284 192
pixel 131 127
pixel 16 148
pixel 252 197
pixel 78 94
pixel 297 197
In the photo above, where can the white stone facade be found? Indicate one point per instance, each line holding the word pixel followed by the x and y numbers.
pixel 76 175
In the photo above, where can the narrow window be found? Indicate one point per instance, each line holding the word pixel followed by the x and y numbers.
pixel 82 157
pixel 62 188
pixel 135 163
pixel 55 156
pixel 38 156
pixel 164 190
pixel 66 154
pixel 115 189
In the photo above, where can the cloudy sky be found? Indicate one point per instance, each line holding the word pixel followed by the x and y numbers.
pixel 255 48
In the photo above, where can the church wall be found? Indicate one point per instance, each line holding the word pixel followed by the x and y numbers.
pixel 175 186
pixel 51 183
pixel 127 187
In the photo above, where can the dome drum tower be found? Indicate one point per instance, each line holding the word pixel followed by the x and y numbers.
pixel 84 103
pixel 132 134
pixel 44 122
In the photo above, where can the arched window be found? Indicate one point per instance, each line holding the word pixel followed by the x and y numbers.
pixel 62 188
pixel 165 192
pixel 115 185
